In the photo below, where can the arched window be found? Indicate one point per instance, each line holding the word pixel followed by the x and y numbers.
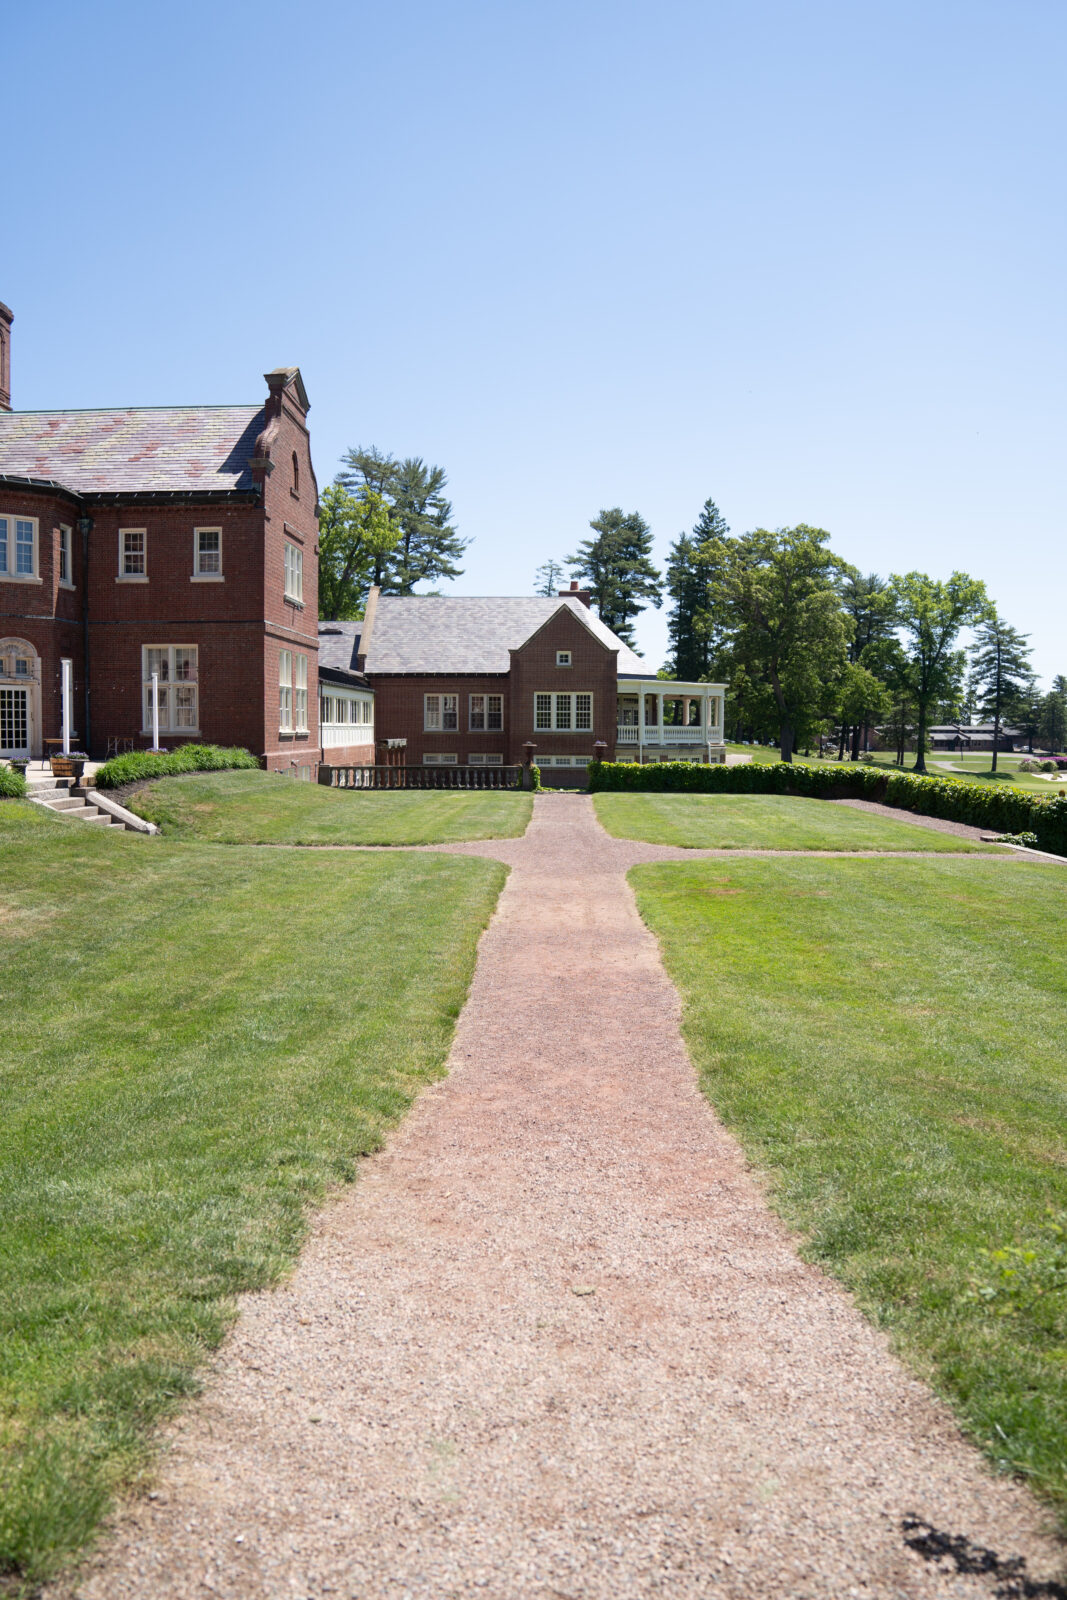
pixel 296 474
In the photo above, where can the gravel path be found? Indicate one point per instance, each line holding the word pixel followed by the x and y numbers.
pixel 553 1343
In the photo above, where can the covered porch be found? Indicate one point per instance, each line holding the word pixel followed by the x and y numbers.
pixel 663 719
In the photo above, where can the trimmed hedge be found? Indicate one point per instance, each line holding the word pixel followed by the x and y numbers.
pixel 12 784
pixel 999 809
pixel 140 765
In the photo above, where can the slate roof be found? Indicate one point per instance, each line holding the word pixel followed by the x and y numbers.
pixel 133 449
pixel 427 634
pixel 338 645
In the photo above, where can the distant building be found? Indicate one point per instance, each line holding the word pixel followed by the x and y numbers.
pixel 963 736
pixel 178 541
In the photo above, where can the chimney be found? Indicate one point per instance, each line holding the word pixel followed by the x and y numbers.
pixel 574 593
pixel 6 319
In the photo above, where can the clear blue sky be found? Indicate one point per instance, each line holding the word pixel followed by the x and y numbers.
pixel 806 258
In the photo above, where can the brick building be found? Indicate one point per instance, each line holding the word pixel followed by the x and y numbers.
pixel 470 682
pixel 174 540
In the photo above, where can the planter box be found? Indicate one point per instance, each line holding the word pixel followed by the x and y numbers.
pixel 67 766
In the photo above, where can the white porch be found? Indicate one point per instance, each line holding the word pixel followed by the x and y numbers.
pixel 659 718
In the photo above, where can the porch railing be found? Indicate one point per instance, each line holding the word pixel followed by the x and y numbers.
pixel 387 777
pixel 667 735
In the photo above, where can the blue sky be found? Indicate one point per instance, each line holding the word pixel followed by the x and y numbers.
pixel 806 258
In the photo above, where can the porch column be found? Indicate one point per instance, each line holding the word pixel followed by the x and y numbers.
pixel 659 713
pixel 641 727
pixel 66 684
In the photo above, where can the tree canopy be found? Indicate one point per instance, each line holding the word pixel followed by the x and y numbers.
pixel 931 614
pixel 617 569
pixel 427 546
pixel 1001 667
pixel 356 535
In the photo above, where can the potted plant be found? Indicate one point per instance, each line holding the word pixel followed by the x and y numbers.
pixel 69 766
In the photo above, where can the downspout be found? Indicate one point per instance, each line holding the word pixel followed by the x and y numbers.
pixel 85 524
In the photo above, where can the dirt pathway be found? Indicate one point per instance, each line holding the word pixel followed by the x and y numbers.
pixel 553 1343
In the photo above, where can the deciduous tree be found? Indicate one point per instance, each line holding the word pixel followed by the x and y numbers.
pixel 931 614
pixel 356 534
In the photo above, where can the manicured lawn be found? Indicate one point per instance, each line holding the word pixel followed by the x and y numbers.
pixel 975 769
pixel 763 822
pixel 887 1041
pixel 263 808
pixel 194 1043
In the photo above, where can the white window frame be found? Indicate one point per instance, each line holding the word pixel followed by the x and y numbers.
pixel 66 557
pixel 300 693
pixel 124 576
pixel 169 687
pixel 285 691
pixel 440 758
pixel 564 658
pixel 485 712
pixel 10 541
pixel 563 711
pixel 436 711
pixel 482 758
pixel 294 573
pixel 200 573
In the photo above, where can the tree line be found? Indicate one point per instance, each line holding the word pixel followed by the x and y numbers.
pixel 806 643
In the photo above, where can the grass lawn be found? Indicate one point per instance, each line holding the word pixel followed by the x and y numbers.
pixel 194 1043
pixel 763 822
pixel 975 769
pixel 264 808
pixel 886 1040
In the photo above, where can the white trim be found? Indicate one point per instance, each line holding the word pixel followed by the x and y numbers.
pixel 293 581
pixel 211 574
pixel 169 687
pixel 564 658
pixel 66 547
pixel 443 758
pixel 134 575
pixel 485 726
pixel 433 718
pixel 11 520
pixel 484 759
pixel 565 704
pixel 285 691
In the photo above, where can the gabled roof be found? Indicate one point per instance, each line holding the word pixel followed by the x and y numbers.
pixel 428 634
pixel 338 649
pixel 133 449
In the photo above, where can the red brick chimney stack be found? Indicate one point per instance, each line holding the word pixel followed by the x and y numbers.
pixel 6 319
pixel 574 593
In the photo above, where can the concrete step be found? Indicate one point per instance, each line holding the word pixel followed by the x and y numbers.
pixel 62 802
pixel 80 811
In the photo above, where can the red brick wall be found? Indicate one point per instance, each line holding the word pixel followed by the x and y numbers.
pixel 46 615
pixel 594 670
pixel 398 714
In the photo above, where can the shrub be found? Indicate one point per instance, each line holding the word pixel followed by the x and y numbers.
pixel 140 765
pixel 1001 810
pixel 12 784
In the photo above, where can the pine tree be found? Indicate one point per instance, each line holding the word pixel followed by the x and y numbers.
pixel 693 624
pixel 1054 716
pixel 617 568
pixel 1001 667
pixel 428 546
pixel 548 578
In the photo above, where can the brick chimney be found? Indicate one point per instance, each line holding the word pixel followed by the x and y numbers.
pixel 6 319
pixel 574 593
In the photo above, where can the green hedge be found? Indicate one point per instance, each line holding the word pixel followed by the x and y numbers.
pixel 999 809
pixel 140 765
pixel 12 784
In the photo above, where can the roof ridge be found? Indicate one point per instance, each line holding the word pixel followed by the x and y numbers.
pixel 84 411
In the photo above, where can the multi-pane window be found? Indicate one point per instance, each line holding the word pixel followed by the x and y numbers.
pixel 563 713
pixel 285 691
pixel 442 759
pixel 132 553
pixel 563 658
pixel 294 572
pixel 440 713
pixel 18 547
pixel 176 668
pixel 486 713
pixel 65 568
pixel 207 552
pixel 300 693
pixel 481 759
